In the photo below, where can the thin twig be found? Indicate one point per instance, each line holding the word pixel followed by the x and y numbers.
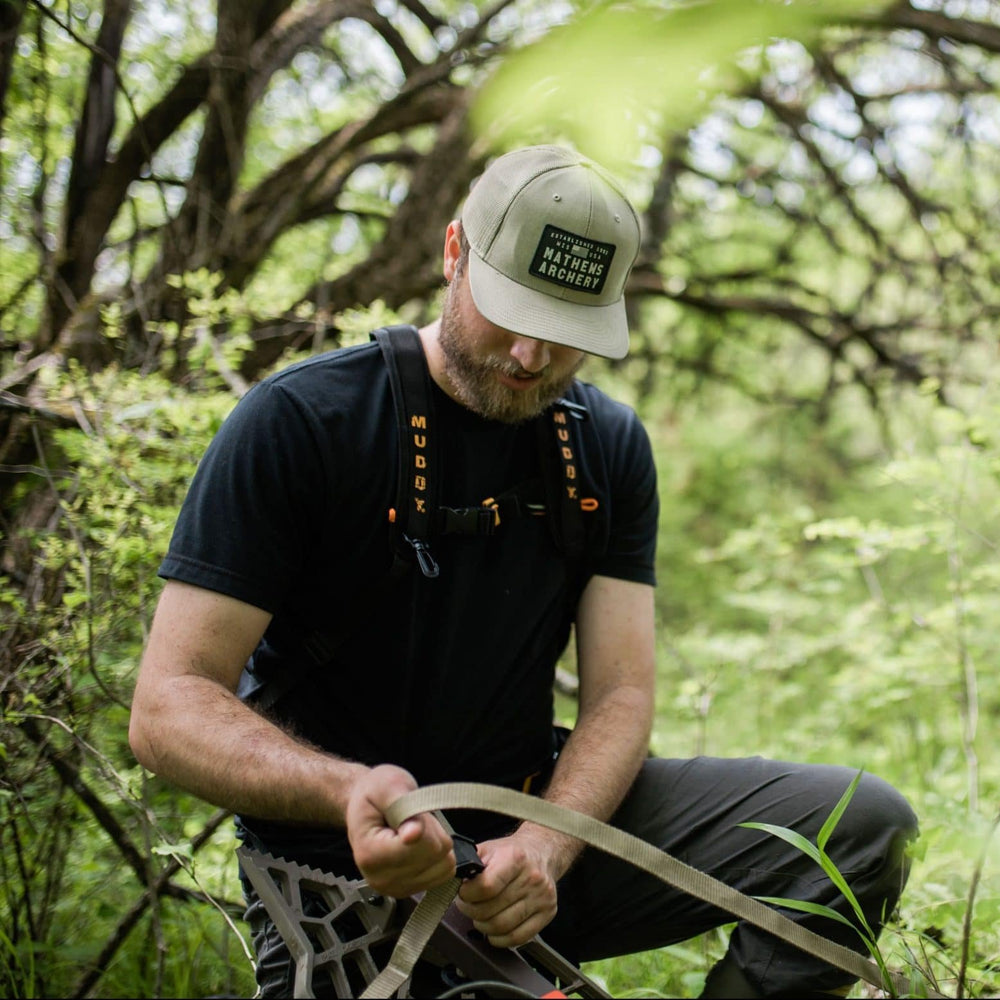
pixel 8 401
pixel 232 378
pixel 977 872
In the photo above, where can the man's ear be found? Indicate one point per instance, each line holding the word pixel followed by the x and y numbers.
pixel 452 248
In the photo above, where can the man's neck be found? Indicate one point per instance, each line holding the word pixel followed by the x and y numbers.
pixel 435 358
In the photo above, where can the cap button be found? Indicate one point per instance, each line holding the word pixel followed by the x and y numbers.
pixel 557 197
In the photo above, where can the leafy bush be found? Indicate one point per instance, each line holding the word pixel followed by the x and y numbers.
pixel 83 831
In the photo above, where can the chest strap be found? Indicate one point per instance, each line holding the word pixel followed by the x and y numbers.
pixel 418 516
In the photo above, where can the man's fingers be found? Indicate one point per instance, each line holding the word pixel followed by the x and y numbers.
pixel 488 887
pixel 384 784
pixel 513 899
pixel 500 909
pixel 414 845
pixel 485 910
pixel 398 862
pixel 410 830
pixel 407 879
pixel 515 925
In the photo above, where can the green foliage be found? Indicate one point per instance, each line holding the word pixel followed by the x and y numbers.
pixel 676 971
pixel 849 589
pixel 74 802
pixel 822 598
pixel 693 51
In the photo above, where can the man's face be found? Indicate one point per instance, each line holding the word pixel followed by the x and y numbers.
pixel 495 373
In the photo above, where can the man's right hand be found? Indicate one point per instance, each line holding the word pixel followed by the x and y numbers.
pixel 397 862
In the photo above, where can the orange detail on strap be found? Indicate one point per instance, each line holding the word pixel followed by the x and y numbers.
pixel 553 993
pixel 495 507
pixel 588 503
pixel 392 515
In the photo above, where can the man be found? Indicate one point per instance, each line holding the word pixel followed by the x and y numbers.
pixel 449 677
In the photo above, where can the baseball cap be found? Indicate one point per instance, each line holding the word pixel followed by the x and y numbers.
pixel 552 240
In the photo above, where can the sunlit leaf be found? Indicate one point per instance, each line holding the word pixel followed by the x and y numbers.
pixel 173 850
pixel 620 69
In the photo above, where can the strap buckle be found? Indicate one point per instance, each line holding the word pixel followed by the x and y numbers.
pixel 468 520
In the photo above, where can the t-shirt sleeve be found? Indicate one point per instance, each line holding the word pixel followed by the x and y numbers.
pixel 242 528
pixel 634 518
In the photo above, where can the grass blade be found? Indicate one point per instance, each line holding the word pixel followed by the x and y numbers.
pixel 818 909
pixel 791 837
pixel 838 810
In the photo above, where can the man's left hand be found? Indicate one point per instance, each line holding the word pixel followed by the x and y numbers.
pixel 514 897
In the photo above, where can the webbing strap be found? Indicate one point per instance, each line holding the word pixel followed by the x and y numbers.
pixel 413 939
pixel 560 474
pixel 622 845
pixel 418 476
pixel 416 933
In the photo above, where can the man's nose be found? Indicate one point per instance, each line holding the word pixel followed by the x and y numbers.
pixel 531 354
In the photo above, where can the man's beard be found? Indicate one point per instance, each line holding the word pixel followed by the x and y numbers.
pixel 475 382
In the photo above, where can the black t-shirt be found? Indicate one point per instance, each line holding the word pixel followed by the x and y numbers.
pixel 449 677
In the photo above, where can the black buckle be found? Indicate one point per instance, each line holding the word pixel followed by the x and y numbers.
pixel 467 861
pixel 467 520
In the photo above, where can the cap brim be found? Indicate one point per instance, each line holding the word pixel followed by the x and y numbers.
pixel 600 330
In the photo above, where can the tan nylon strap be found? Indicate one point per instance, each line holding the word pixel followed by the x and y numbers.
pixel 413 939
pixel 417 932
pixel 468 795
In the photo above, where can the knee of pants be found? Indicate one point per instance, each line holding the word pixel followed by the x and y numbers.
pixel 877 810
pixel 872 835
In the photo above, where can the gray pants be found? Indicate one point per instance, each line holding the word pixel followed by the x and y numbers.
pixel 693 809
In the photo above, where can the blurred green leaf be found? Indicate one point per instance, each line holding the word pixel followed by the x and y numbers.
pixel 619 70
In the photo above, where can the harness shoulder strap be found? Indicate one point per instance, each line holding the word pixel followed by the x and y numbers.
pixel 418 470
pixel 558 444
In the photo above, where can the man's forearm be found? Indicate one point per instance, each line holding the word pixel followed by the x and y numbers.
pixel 201 737
pixel 599 763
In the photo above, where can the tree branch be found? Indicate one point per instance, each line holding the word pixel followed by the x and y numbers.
pixel 936 25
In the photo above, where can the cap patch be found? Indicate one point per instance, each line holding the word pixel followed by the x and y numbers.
pixel 572 261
